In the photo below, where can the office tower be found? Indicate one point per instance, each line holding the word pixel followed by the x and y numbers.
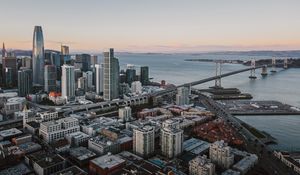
pixel 111 76
pixel 55 130
pixel 9 62
pixel 24 82
pixel 26 62
pixel 3 51
pixel 125 114
pixel 86 62
pixel 143 141
pixel 52 57
pixel 171 139
pixel 65 50
pixel 94 60
pixel 182 96
pixel 68 82
pixel 136 87
pixel 200 165
pixel 144 75
pixel 65 55
pixel 89 78
pixel 130 75
pixel 99 78
pixel 38 56
pixel 220 153
pixel 50 78
pixel 8 77
pixel 82 83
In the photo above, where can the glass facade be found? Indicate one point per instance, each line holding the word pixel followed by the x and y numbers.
pixel 38 60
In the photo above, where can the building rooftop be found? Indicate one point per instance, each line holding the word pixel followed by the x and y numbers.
pixel 45 159
pixel 78 135
pixel 108 161
pixel 63 120
pixel 19 169
pixel 10 132
pixel 245 162
pixel 230 172
pixel 195 146
pixel 73 170
pixel 15 100
pixel 81 153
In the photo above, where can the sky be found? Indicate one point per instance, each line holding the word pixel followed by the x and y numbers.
pixel 153 25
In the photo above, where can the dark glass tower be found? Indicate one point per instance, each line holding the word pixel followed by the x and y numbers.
pixel 38 60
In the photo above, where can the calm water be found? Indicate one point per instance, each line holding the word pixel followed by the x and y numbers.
pixel 282 86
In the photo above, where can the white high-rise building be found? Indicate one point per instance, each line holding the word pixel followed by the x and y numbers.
pixel 182 96
pixel 99 78
pixel 125 114
pixel 201 166
pixel 220 153
pixel 82 83
pixel 58 129
pixel 68 82
pixel 143 141
pixel 171 139
pixel 89 78
pixel 136 87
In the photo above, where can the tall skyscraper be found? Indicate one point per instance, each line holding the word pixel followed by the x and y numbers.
pixel 144 75
pixel 143 141
pixel 89 78
pixel 171 138
pixel 9 70
pixel 111 76
pixel 50 78
pixel 182 96
pixel 99 78
pixel 3 51
pixel 68 82
pixel 86 62
pixel 24 82
pixel 65 55
pixel 38 56
pixel 82 83
pixel 130 75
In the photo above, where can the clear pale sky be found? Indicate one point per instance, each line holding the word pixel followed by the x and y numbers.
pixel 153 25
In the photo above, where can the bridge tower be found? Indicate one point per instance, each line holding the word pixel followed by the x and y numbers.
pixel 218 74
pixel 264 70
pixel 252 71
pixel 273 65
pixel 285 63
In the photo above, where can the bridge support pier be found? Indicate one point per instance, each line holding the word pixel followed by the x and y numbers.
pixel 285 63
pixel 252 71
pixel 264 71
pixel 218 73
pixel 273 65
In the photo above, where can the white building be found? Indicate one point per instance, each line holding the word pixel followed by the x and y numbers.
pixel 99 78
pixel 244 165
pixel 125 114
pixel 182 96
pixel 89 78
pixel 136 87
pixel 221 154
pixel 48 116
pixel 201 166
pixel 82 83
pixel 143 141
pixel 14 104
pixel 171 139
pixel 58 129
pixel 68 82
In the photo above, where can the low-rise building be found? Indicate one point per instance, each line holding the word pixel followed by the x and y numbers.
pixel 9 134
pixel 78 138
pixel 58 129
pixel 231 172
pixel 81 156
pixel 45 163
pixel 105 165
pixel 201 166
pixel 102 145
pixel 244 165
pixel 73 170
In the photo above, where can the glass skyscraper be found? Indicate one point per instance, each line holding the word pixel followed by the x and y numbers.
pixel 38 60
pixel 111 76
